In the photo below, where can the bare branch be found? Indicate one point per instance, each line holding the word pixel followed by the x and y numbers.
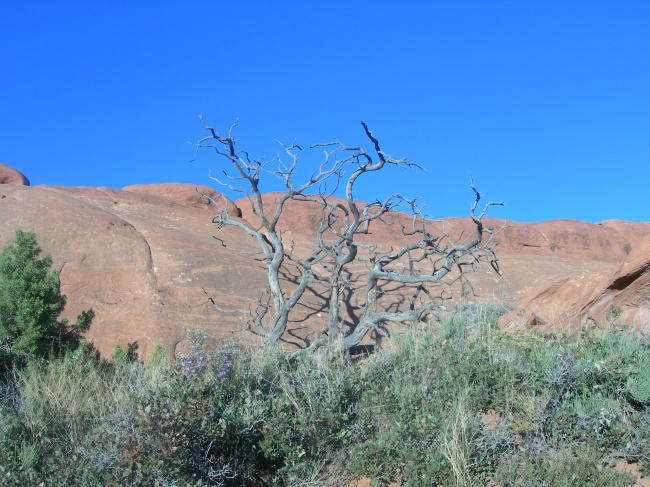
pixel 410 272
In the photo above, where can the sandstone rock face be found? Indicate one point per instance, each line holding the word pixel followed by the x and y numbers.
pixel 518 318
pixel 531 255
pixel 186 196
pixel 146 259
pixel 575 303
pixel 141 260
pixel 8 175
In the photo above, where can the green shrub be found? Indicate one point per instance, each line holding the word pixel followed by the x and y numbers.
pixel 123 356
pixel 312 412
pixel 639 385
pixel 412 414
pixel 558 465
pixel 158 357
pixel 30 304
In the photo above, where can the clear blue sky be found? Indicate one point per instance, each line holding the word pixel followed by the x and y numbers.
pixel 546 103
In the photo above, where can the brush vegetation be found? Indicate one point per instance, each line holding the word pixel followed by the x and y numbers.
pixel 30 305
pixel 562 411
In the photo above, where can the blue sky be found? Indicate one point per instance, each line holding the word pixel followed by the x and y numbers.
pixel 547 104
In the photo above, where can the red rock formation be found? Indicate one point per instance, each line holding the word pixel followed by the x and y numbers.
pixel 8 175
pixel 186 196
pixel 140 259
pixel 144 258
pixel 592 299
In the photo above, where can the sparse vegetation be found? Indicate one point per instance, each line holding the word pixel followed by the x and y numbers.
pixel 561 412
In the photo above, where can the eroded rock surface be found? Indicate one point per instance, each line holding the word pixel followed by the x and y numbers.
pixel 579 302
pixel 8 175
pixel 146 259
pixel 141 259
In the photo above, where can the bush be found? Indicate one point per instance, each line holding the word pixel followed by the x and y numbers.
pixel 561 412
pixel 30 304
pixel 123 356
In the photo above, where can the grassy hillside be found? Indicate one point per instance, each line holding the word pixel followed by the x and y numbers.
pixel 460 404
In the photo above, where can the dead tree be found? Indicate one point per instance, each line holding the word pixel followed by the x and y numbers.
pixel 443 254
pixel 337 245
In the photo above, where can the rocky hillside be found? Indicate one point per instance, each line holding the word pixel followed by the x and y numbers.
pixel 144 258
